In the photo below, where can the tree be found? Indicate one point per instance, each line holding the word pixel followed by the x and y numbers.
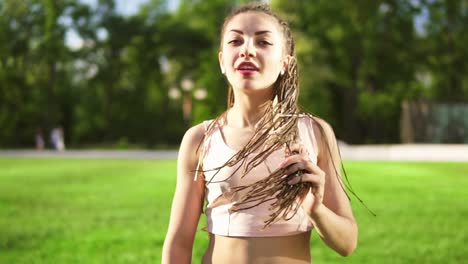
pixel 359 58
pixel 445 35
pixel 32 75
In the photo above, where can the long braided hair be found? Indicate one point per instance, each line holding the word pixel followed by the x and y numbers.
pixel 277 129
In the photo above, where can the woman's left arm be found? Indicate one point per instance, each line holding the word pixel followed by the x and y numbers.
pixel 326 203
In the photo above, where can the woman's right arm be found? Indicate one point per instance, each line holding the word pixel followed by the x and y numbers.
pixel 187 203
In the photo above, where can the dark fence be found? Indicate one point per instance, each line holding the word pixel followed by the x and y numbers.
pixel 429 122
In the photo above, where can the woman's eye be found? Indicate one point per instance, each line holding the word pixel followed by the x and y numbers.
pixel 235 41
pixel 264 42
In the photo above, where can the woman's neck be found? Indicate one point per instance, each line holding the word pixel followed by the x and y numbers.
pixel 249 107
pixel 245 115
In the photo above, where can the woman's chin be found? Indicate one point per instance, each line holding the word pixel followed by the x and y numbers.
pixel 252 86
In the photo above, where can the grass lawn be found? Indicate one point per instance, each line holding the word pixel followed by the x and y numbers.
pixel 116 211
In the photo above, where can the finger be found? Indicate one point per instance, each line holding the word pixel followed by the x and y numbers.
pixel 296 148
pixel 296 179
pixel 316 180
pixel 307 166
pixel 290 160
pixel 311 167
pixel 293 168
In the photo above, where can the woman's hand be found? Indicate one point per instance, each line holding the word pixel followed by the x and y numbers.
pixel 328 208
pixel 300 164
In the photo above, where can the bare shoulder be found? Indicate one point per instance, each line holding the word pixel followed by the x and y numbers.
pixel 194 134
pixel 188 154
pixel 322 129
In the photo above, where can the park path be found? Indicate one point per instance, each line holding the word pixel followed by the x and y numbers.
pixel 413 152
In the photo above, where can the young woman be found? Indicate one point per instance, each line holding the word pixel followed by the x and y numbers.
pixel 268 172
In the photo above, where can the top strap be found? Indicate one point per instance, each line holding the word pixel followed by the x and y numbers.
pixel 205 142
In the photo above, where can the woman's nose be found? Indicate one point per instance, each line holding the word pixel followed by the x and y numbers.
pixel 248 49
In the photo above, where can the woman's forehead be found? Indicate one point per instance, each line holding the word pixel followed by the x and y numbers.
pixel 252 22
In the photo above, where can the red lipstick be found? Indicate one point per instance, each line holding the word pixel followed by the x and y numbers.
pixel 247 68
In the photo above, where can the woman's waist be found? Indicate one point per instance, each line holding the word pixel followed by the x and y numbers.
pixel 276 249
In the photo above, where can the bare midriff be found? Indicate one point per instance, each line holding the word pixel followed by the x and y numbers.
pixel 245 250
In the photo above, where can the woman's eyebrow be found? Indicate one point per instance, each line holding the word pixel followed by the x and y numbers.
pixel 256 33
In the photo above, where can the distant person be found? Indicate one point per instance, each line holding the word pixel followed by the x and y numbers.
pixel 57 139
pixel 39 139
pixel 268 172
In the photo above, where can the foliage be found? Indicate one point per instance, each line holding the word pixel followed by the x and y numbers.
pixel 359 50
pixel 358 62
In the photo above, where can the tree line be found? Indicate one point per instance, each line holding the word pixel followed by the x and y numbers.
pixel 144 79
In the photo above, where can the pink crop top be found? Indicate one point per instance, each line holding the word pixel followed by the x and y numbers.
pixel 249 222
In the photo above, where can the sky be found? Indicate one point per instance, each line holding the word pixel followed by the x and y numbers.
pixel 124 7
pixel 131 7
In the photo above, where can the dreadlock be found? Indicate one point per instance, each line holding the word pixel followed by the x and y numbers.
pixel 277 128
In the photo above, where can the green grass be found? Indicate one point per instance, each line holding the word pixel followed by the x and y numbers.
pixel 117 211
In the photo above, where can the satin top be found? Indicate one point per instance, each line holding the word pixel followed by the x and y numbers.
pixel 249 222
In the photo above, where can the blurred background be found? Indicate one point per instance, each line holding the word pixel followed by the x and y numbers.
pixel 137 74
pixel 134 75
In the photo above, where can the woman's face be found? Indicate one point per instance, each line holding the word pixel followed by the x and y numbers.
pixel 252 53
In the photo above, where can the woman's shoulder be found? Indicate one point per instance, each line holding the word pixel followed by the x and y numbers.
pixel 195 133
pixel 188 150
pixel 321 128
pixel 316 122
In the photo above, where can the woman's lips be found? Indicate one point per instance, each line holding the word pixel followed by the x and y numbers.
pixel 247 72
pixel 247 68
